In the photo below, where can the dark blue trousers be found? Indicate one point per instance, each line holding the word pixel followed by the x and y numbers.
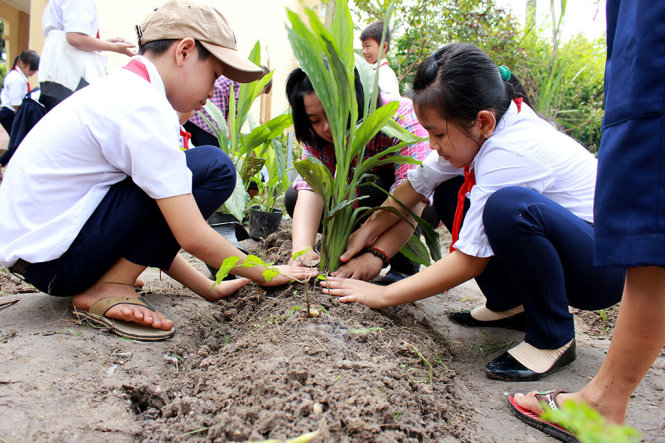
pixel 128 224
pixel 543 259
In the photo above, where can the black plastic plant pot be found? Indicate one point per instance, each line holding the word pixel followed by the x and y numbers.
pixel 262 224
pixel 229 228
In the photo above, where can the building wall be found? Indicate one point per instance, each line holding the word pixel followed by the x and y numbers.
pixel 252 20
pixel 16 30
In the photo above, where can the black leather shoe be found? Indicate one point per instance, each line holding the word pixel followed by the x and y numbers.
pixel 517 321
pixel 507 368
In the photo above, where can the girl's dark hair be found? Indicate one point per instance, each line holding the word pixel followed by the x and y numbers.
pixel 29 58
pixel 158 47
pixel 298 86
pixel 459 80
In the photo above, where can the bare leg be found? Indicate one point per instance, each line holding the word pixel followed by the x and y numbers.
pixel 638 339
pixel 119 281
pixel 188 275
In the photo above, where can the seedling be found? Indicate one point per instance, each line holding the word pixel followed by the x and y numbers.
pixel 269 272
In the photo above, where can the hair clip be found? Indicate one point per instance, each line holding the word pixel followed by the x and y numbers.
pixel 505 73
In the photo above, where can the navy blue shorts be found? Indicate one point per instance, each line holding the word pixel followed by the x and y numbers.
pixel 629 209
pixel 128 224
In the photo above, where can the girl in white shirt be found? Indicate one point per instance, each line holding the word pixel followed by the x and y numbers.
pixel 16 85
pixel 526 231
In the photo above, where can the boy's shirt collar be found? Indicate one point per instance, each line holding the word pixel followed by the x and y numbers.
pixel 384 61
pixel 155 77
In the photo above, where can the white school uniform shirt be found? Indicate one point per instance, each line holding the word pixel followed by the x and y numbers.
pixel 61 62
pixel 388 83
pixel 14 88
pixel 525 151
pixel 117 127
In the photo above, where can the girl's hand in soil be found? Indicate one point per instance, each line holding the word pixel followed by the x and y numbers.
pixel 356 291
pixel 226 288
pixel 308 259
pixel 363 267
pixel 288 273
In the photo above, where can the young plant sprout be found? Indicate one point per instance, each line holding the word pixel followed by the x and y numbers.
pixel 269 273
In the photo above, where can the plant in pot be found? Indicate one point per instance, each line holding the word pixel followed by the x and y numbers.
pixel 333 83
pixel 266 214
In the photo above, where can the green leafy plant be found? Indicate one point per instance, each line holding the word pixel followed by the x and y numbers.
pixel 588 425
pixel 334 83
pixel 271 192
pixel 241 147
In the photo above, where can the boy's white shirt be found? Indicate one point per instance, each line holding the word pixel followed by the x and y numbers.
pixel 117 127
pixel 14 88
pixel 388 83
pixel 525 151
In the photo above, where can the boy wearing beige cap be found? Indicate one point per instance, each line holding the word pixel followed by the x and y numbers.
pixel 99 189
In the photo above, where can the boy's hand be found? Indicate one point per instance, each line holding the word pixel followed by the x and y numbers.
pixel 226 288
pixel 363 267
pixel 356 291
pixel 289 273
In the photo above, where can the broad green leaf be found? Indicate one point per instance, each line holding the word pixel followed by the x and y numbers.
pixel 416 251
pixel 269 274
pixel 317 176
pixel 236 203
pixel 371 126
pixel 393 129
pixel 257 137
pixel 228 264
pixel 251 167
pixel 253 260
pixel 342 30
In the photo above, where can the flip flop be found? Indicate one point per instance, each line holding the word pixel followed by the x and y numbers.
pixel 95 316
pixel 547 400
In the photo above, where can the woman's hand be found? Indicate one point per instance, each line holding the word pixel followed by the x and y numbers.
pixel 356 291
pixel 363 267
pixel 359 239
pixel 288 273
pixel 308 259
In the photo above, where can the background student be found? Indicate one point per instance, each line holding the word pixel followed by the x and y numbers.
pixel 100 189
pixel 14 88
pixel 306 207
pixel 371 39
pixel 527 234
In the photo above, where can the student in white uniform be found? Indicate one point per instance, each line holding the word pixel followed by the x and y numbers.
pixel 527 236
pixel 371 39
pixel 100 189
pixel 72 58
pixel 16 85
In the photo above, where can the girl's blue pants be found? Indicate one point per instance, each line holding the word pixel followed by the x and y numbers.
pixel 543 259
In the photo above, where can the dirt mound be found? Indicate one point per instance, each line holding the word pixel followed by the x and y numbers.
pixel 264 370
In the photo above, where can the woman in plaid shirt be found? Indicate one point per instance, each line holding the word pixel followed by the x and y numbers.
pixel 306 207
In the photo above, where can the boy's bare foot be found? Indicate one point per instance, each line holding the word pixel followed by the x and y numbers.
pixel 125 312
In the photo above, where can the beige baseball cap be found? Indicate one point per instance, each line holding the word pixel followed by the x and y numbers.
pixel 178 19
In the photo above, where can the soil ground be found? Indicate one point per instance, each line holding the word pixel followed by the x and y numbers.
pixel 253 367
